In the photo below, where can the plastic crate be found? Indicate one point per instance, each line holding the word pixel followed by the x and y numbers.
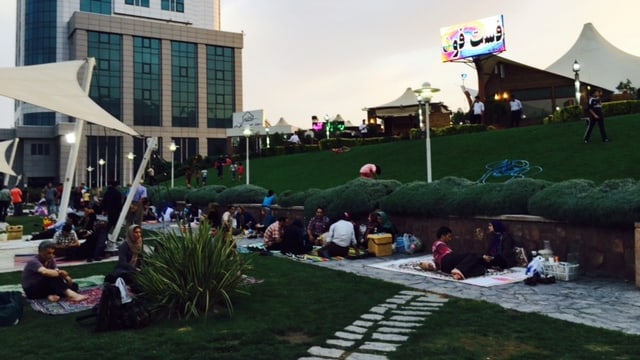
pixel 563 271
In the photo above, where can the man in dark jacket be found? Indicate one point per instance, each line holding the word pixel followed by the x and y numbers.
pixel 112 204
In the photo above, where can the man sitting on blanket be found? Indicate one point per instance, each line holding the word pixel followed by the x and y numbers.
pixel 41 277
pixel 459 265
pixel 341 235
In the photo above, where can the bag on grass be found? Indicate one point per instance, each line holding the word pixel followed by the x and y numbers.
pixel 117 310
pixel 11 304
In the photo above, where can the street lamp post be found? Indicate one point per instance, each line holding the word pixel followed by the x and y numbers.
pixel 90 170
pixel 424 96
pixel 266 129
pixel 576 71
pixel 172 148
pixel 131 156
pixel 247 133
pixel 326 124
pixel 101 162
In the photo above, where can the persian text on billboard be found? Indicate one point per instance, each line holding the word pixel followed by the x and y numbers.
pixel 251 118
pixel 479 37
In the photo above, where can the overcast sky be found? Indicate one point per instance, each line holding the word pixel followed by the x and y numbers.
pixel 317 57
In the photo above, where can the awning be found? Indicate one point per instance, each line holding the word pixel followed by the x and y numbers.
pixel 55 87
pixel 4 166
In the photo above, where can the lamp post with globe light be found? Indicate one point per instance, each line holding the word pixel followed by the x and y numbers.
pixel 90 170
pixel 576 71
pixel 424 97
pixel 101 162
pixel 131 156
pixel 247 133
pixel 172 147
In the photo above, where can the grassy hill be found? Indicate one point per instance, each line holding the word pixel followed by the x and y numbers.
pixel 557 148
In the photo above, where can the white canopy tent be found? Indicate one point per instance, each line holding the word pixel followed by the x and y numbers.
pixel 55 86
pixel 4 166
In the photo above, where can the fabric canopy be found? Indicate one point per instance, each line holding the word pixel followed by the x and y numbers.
pixel 405 105
pixel 4 166
pixel 55 87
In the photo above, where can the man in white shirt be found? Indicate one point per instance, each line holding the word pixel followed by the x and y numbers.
pixel 478 111
pixel 363 128
pixel 294 139
pixel 340 237
pixel 516 111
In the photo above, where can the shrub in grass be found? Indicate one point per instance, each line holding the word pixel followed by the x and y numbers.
pixel 290 198
pixel 188 275
pixel 202 196
pixel 242 194
pixel 161 194
pixel 613 203
pixel 358 197
pixel 561 201
pixel 426 199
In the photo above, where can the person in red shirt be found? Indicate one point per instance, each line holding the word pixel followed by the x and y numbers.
pixel 459 265
pixel 16 200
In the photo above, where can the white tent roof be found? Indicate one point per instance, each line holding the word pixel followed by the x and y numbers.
pixel 405 105
pixel 55 87
pixel 4 166
pixel 601 63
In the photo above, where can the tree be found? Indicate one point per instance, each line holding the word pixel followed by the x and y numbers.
pixel 625 86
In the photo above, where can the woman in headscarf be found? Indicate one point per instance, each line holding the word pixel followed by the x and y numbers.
pixel 500 250
pixel 130 256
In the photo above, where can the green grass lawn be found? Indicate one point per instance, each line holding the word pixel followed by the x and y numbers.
pixel 557 148
pixel 300 305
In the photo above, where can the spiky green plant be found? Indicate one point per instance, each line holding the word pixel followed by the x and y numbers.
pixel 188 274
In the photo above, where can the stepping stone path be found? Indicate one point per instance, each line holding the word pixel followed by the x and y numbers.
pixel 383 329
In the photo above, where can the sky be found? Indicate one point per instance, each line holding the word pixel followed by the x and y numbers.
pixel 329 57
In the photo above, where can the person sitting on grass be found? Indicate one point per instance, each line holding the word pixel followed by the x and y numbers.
pixel 340 237
pixel 67 242
pixel 130 257
pixel 459 265
pixel 41 277
pixel 273 235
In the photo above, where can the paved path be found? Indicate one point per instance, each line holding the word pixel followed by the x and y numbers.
pixel 605 303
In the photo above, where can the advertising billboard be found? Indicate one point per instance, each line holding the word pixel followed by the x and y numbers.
pixel 251 118
pixel 478 37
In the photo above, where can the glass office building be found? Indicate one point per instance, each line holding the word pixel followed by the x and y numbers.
pixel 163 67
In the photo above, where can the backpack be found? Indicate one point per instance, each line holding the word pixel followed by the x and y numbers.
pixel 117 310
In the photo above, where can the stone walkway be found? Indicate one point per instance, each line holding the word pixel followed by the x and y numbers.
pixel 381 330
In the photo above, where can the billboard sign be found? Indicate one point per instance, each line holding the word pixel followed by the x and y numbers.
pixel 251 118
pixel 478 37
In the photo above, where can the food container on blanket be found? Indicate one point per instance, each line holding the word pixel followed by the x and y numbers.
pixel 563 271
pixel 380 244
pixel 14 232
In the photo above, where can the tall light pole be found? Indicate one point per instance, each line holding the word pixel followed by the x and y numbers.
pixel 131 156
pixel 266 129
pixel 424 96
pixel 90 170
pixel 172 148
pixel 247 133
pixel 101 162
pixel 576 71
pixel 326 124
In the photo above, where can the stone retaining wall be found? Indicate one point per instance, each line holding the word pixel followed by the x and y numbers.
pixel 606 252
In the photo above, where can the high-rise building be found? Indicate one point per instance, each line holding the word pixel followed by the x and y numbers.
pixel 163 67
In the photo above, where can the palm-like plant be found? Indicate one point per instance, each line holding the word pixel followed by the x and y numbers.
pixel 190 273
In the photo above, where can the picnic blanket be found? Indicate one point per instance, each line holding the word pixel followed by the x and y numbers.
pixel 64 306
pixel 491 278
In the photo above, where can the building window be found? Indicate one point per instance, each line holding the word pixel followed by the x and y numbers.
pixel 184 84
pixel 96 6
pixel 173 5
pixel 40 32
pixel 187 149
pixel 143 3
pixel 147 82
pixel 106 85
pixel 220 86
pixel 39 119
pixel 40 149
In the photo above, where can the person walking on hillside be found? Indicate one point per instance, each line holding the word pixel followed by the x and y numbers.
pixel 595 116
